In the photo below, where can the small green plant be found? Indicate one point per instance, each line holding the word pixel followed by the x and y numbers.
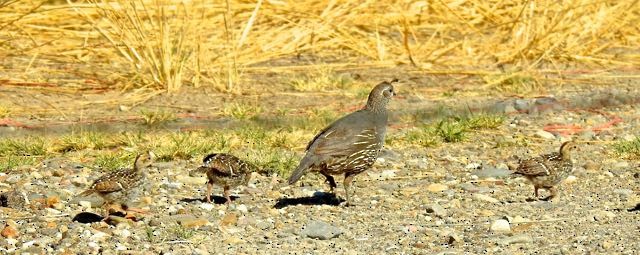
pixel 273 161
pixel 252 135
pixel 129 139
pixel 484 121
pixel 280 140
pixel 11 162
pixel 451 131
pixel 81 141
pixel 179 232
pixel 628 149
pixel 241 111
pixel 149 234
pixel 112 161
pixel 153 118
pixel 425 136
pixel 184 145
pixel 29 146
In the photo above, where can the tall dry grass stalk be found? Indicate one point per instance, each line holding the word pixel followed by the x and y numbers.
pixel 151 37
pixel 170 43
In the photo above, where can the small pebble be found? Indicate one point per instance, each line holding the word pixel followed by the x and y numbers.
pixel 500 226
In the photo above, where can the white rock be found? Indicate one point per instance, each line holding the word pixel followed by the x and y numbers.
pixel 93 245
pixel 570 179
pixel 545 135
pixel 124 233
pixel 51 211
pixel 28 244
pixel 120 247
pixel 242 208
pixel 84 204
pixel 207 206
pixel 501 226
pixel 380 160
pixel 474 165
pixel 11 242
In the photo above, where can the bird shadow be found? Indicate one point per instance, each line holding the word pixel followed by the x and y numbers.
pixel 635 209
pixel 87 217
pixel 318 198
pixel 215 199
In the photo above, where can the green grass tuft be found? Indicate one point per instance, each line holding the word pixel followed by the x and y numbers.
pixel 451 131
pixel 113 161
pixel 241 111
pixel 183 145
pixel 628 149
pixel 12 162
pixel 82 141
pixel 29 146
pixel 179 232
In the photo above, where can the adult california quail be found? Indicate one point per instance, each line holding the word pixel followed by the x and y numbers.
pixel 122 185
pixel 351 144
pixel 225 170
pixel 547 171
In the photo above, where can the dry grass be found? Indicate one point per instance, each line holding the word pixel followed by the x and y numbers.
pixel 166 44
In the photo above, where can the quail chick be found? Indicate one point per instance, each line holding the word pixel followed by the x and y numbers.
pixel 351 144
pixel 549 170
pixel 122 185
pixel 225 170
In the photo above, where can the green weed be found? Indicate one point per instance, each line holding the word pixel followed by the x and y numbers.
pixel 628 149
pixel 241 111
pixel 29 146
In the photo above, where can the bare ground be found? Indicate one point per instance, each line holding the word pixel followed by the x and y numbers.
pixel 416 200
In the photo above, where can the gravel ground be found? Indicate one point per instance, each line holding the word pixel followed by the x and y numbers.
pixel 456 198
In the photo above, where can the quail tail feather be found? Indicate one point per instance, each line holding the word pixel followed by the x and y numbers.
pixel 300 170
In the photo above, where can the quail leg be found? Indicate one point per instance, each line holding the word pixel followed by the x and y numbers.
pixel 208 194
pixel 227 195
pixel 535 192
pixel 128 211
pixel 107 209
pixel 347 187
pixel 331 181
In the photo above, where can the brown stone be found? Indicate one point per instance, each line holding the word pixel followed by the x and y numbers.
pixel 229 219
pixel 9 232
